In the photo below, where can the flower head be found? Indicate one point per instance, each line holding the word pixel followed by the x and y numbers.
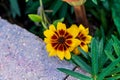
pixel 84 38
pixel 61 41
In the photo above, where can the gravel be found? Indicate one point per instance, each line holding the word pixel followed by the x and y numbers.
pixel 23 56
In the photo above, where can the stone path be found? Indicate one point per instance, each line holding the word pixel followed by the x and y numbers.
pixel 23 56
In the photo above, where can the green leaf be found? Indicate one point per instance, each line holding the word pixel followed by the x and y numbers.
pixel 26 0
pixel 63 10
pixel 103 19
pixel 114 71
pixel 84 53
pixel 115 7
pixel 94 1
pixel 109 50
pixel 74 74
pixel 109 55
pixel 57 6
pixel 81 63
pixel 94 56
pixel 14 8
pixel 111 78
pixel 108 69
pixel 35 17
pixel 59 20
pixel 102 57
pixel 116 45
pixel 116 77
pixel 32 6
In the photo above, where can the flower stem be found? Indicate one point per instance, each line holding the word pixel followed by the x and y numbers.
pixel 42 14
pixel 45 27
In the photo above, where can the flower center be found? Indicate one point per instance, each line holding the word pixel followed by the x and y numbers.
pixel 61 40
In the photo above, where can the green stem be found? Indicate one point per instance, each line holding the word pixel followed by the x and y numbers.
pixel 42 14
pixel 45 27
pixel 40 3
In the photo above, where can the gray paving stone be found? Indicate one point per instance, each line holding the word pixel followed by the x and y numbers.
pixel 23 56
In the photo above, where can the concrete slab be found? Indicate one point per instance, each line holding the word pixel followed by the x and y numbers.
pixel 23 56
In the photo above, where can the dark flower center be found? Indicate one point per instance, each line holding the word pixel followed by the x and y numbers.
pixel 61 40
pixel 82 43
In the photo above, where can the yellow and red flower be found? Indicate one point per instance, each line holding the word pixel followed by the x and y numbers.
pixel 84 38
pixel 61 41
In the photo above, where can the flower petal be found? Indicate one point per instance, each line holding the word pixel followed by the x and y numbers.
pixel 76 51
pixel 61 26
pixel 84 47
pixel 46 40
pixel 48 33
pixel 67 55
pixel 88 39
pixel 49 47
pixel 81 28
pixel 60 54
pixel 75 43
pixel 52 27
pixel 52 53
pixel 85 31
pixel 73 30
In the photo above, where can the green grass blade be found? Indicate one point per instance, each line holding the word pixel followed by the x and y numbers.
pixel 81 63
pixel 74 74
pixel 108 69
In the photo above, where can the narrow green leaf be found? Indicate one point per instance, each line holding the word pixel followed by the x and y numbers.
pixel 81 63
pixel 26 0
pixel 94 1
pixel 109 55
pixel 102 57
pixel 114 71
pixel 116 45
pixel 59 20
pixel 110 78
pixel 14 8
pixel 74 74
pixel 116 77
pixel 63 10
pixel 94 56
pixel 115 8
pixel 108 69
pixel 57 6
pixel 103 19
pixel 84 53
pixel 109 50
pixel 35 17
pixel 116 48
